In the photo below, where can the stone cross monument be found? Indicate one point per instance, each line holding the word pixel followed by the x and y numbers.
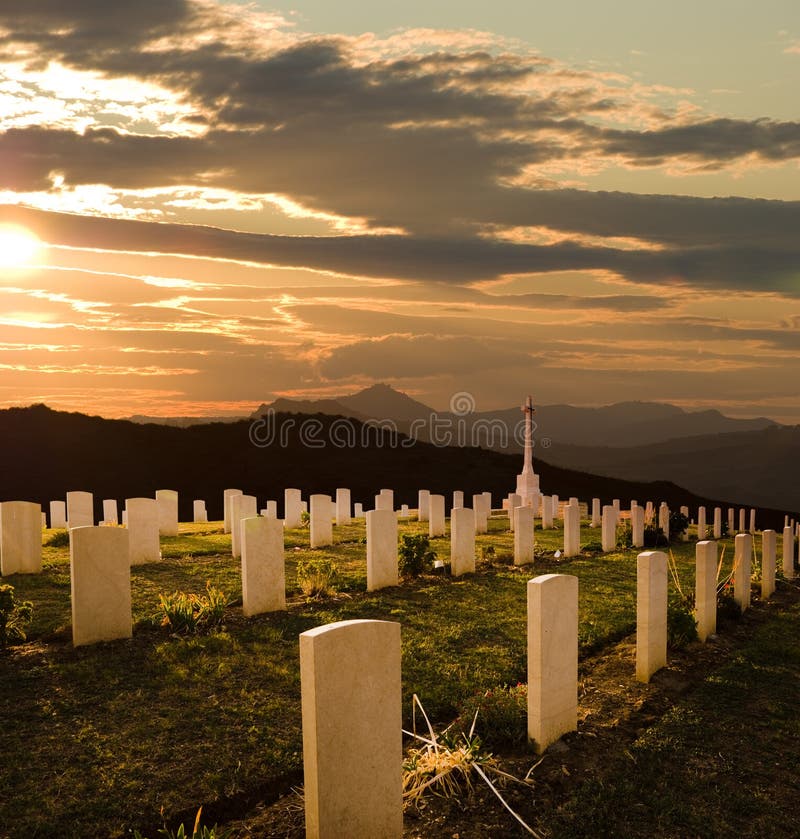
pixel 528 480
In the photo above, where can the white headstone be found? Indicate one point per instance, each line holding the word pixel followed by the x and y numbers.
pixel 663 519
pixel 524 538
pixel 788 553
pixel 462 541
pixel 717 522
pixel 404 511
pixel 637 526
pixel 552 658
pixel 752 521
pixel 142 524
pixel 321 520
pixel 651 613
pixel 80 509
pixel 572 530
pixel 271 511
pixel 742 526
pixel 436 522
pixel 343 515
pixel 263 569
pixel 609 532
pixel 58 514
pixel 200 514
pixel 768 553
pixel 701 524
pixel 351 706
pixel 596 520
pixel 167 512
pixel 514 500
pixel 381 549
pixel 731 522
pixel 242 507
pixel 423 505
pixel 742 560
pixel 547 512
pixel 20 538
pixel 110 511
pixel 458 499
pixel 100 578
pixel 226 507
pixel 705 590
pixel 292 508
pixel 358 510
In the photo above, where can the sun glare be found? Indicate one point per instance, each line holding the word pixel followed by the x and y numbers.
pixel 18 246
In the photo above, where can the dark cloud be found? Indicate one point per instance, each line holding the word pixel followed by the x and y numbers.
pixel 438 259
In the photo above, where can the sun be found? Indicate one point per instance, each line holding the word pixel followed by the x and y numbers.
pixel 18 246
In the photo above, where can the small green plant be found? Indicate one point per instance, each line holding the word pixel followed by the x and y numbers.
pixel 192 613
pixel 488 553
pixel 681 623
pixel 15 615
pixel 502 715
pixel 415 555
pixel 199 831
pixel 678 524
pixel 316 576
pixel 625 536
pixel 59 538
pixel 305 519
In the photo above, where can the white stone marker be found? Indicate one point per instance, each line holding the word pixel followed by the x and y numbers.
pixel 167 512
pixel 58 514
pixel 663 519
pixel 788 553
pixel 462 541
pixel 142 524
pixel 547 512
pixel 458 499
pixel 651 613
pixel 436 524
pixel 752 521
pixel 100 578
pixel 384 500
pixel 514 501
pixel 572 530
pixel 596 514
pixel 705 589
pixel 20 538
pixel 404 511
pixel 381 549
pixel 524 539
pixel 199 512
pixel 271 511
pixel 423 504
pixel 80 509
pixel 768 542
pixel 742 560
pixel 125 518
pixel 226 507
pixel 556 507
pixel 552 658
pixel 44 520
pixel 321 521
pixel 617 505
pixel 263 567
pixel 637 527
pixel 717 522
pixel 609 532
pixel 742 527
pixel 110 511
pixel 358 510
pixel 648 511
pixel 343 507
pixel 482 519
pixel 351 706
pixel 242 507
pixel 701 524
pixel 731 522
pixel 292 508
pixel 487 502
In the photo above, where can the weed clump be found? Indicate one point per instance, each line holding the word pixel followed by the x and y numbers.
pixel 502 715
pixel 316 576
pixel 415 555
pixel 192 613
pixel 15 615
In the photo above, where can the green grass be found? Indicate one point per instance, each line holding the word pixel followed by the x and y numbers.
pixel 96 740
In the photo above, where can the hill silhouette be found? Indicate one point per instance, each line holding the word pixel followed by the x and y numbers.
pixel 54 452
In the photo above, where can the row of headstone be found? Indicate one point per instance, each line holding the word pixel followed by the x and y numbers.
pixel 355 667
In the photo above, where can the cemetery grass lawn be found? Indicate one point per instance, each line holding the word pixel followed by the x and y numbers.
pixel 96 740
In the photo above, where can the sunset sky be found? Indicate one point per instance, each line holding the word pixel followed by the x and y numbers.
pixel 589 202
